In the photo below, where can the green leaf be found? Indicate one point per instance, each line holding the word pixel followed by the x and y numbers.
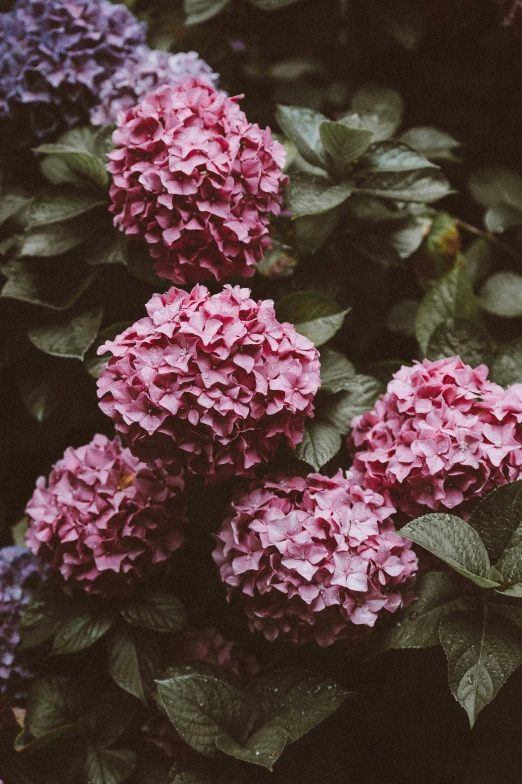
pixel 496 185
pixel 11 202
pixel 337 372
pixel 451 297
pixel 295 700
pixel 312 232
pixel 198 11
pixel 19 530
pixel 401 318
pixel 501 295
pixel 314 315
pixel 502 218
pixel 418 626
pixel 459 338
pixel 54 702
pixel 59 207
pixel 57 238
pixel 482 653
pixel 343 145
pixel 108 766
pixel 108 248
pixel 203 707
pixel 341 409
pixel 83 628
pixel 455 542
pixel 85 163
pixel 69 335
pixel 512 612
pixel 264 748
pixel 390 243
pixel 435 145
pixel 156 609
pixel 507 365
pixel 272 5
pixel 301 125
pixel 112 714
pixel 57 285
pixel 498 521
pixel 42 394
pixel 41 617
pixel 392 157
pixel 382 106
pixel 313 196
pixel 321 441
pixel 134 659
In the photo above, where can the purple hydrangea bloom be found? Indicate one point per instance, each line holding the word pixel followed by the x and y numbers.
pixel 21 573
pixel 140 75
pixel 54 55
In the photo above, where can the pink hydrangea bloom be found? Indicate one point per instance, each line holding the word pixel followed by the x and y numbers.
pixel 311 559
pixel 105 521
pixel 208 645
pixel 197 181
pixel 211 382
pixel 440 438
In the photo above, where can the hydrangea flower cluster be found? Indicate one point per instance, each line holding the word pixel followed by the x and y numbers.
pixel 311 558
pixel 54 55
pixel 141 74
pixel 20 575
pixel 440 438
pixel 197 181
pixel 211 382
pixel 103 520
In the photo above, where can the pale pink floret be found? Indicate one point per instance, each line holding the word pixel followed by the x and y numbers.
pixel 197 181
pixel 103 520
pixel 440 438
pixel 311 559
pixel 211 382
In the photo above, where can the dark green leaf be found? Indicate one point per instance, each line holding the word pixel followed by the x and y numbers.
pixel 501 295
pixel 321 441
pixel 57 285
pixel 507 366
pixel 314 195
pixel 54 701
pixel 69 335
pixel 203 707
pixel 392 157
pixel 59 207
pixel 11 202
pixel 84 163
pixel 459 338
pixel 295 700
pixel 496 185
pixel 482 652
pixel 418 626
pixel 314 315
pixel 42 394
pixel 382 105
pixel 264 748
pixel 155 609
pixel 401 318
pixel 108 766
pixel 301 126
pixel 312 232
pixel 450 298
pixel 433 144
pixel 198 11
pixel 108 248
pixel 498 519
pixel 455 542
pixel 343 145
pixel 502 218
pixel 57 238
pixel 41 617
pixel 112 714
pixel 83 628
pixel 341 409
pixel 133 661
pixel 337 372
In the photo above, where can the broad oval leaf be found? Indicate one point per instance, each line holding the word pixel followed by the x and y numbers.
pixel 482 652
pixel 69 335
pixel 85 163
pixel 134 659
pixel 81 630
pixel 198 11
pixel 501 295
pixel 455 542
pixel 337 372
pixel 202 707
pixel 263 748
pixel 56 238
pixel 434 144
pixel 342 408
pixel 108 766
pixel 343 145
pixel 59 207
pixel 321 441
pixel 314 315
pixel 459 338
pixel 156 609
pixel 314 196
pixel 301 126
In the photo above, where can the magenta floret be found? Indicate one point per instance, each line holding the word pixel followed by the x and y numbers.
pixel 103 520
pixel 313 558
pixel 209 381
pixel 198 182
